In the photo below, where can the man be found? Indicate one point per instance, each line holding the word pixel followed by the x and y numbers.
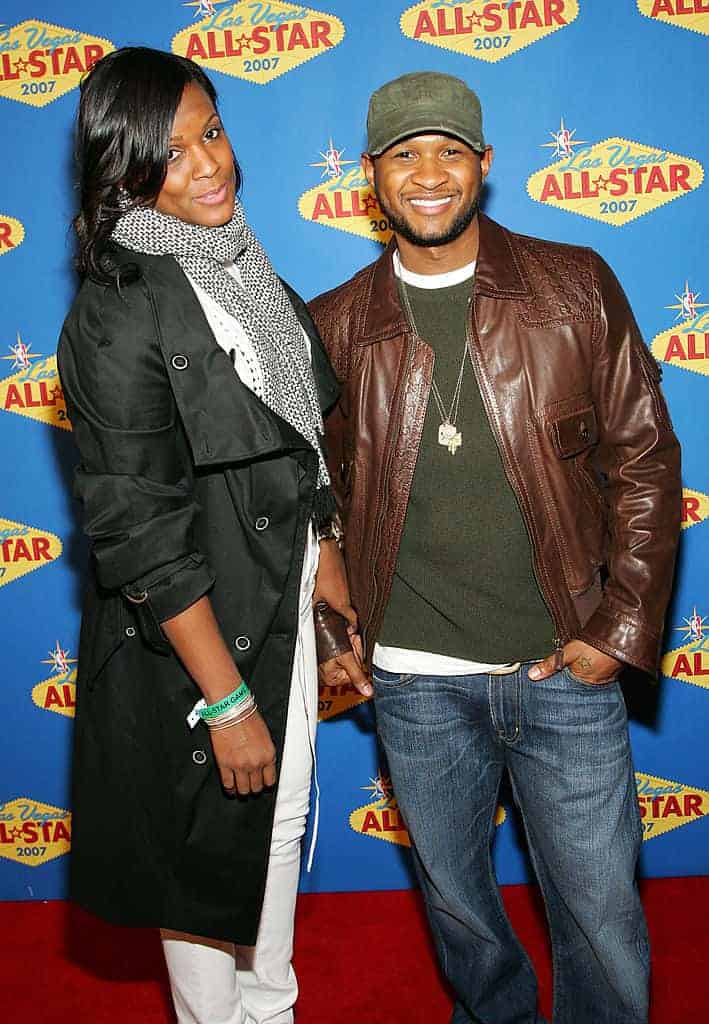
pixel 510 497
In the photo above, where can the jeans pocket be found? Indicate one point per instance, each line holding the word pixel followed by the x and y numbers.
pixel 586 683
pixel 391 680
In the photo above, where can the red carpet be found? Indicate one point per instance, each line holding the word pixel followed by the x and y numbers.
pixel 362 958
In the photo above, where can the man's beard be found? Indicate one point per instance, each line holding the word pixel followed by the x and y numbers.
pixel 401 227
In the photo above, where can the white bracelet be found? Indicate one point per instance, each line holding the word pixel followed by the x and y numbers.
pixel 234 720
pixel 230 714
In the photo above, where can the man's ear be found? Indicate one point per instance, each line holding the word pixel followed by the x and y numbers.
pixel 486 161
pixel 368 168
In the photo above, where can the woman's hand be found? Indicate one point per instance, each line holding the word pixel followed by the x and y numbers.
pixel 245 756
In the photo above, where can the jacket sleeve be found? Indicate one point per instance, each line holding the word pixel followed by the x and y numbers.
pixel 135 477
pixel 331 628
pixel 336 420
pixel 640 457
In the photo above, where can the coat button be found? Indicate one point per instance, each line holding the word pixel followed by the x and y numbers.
pixel 242 643
pixel 262 523
pixel 130 631
pixel 199 757
pixel 179 362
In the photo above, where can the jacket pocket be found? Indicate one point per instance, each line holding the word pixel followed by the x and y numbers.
pixel 569 435
pixel 574 432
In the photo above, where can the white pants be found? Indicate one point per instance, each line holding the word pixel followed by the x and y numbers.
pixel 217 982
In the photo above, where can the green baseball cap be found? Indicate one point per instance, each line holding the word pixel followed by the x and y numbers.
pixel 425 101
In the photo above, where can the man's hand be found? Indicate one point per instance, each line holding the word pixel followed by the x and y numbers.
pixel 586 662
pixel 347 668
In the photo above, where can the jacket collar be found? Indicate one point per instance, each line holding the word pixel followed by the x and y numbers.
pixel 499 274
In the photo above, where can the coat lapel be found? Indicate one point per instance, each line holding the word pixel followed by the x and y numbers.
pixel 224 421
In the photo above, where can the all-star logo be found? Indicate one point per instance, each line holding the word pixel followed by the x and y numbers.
pixel 24 549
pixel 687 343
pixel 695 507
pixel 345 200
pixel 690 662
pixel 689 14
pixel 20 354
pixel 204 8
pixel 334 700
pixel 254 40
pixel 12 233
pixel 687 304
pixel 563 141
pixel 665 804
pixel 33 833
pixel 615 180
pixel 486 31
pixel 40 62
pixel 382 819
pixel 58 692
pixel 59 660
pixel 332 162
pixel 693 626
pixel 34 390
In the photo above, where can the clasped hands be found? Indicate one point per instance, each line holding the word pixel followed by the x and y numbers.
pixel 331 587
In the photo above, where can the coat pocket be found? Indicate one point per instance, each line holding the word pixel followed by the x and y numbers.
pixel 569 433
pixel 574 432
pixel 103 631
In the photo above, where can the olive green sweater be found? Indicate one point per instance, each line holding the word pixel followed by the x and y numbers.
pixel 464 584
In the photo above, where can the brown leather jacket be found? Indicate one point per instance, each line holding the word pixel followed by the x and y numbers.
pixel 573 399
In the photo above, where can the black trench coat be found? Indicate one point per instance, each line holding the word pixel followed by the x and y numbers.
pixel 190 485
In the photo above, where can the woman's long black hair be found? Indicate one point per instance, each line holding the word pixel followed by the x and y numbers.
pixel 126 112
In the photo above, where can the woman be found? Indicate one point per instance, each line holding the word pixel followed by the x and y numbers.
pixel 201 487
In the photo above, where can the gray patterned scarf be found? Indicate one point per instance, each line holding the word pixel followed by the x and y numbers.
pixel 261 306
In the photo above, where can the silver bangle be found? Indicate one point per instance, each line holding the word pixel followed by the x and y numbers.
pixel 235 720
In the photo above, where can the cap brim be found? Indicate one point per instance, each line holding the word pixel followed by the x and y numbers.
pixel 428 127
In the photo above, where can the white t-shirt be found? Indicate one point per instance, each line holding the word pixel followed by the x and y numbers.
pixel 400 659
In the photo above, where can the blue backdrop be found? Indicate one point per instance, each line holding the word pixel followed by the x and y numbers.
pixel 597 112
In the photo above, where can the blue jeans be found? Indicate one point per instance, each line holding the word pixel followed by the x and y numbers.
pixel 565 745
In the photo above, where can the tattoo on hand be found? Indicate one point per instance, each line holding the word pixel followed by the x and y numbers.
pixel 585 663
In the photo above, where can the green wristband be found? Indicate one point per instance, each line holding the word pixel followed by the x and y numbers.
pixel 232 700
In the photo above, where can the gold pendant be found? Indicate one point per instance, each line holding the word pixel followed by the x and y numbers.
pixel 449 437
